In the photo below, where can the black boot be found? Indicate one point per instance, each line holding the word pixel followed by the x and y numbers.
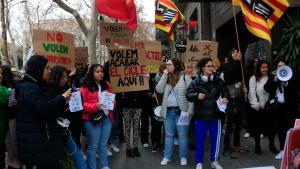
pixel 136 152
pixel 257 150
pixel 129 153
pixel 257 144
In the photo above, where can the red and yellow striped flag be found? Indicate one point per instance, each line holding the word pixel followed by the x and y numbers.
pixel 261 15
pixel 166 14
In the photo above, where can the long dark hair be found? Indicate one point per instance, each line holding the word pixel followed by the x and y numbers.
pixel 178 67
pixel 8 77
pixel 257 72
pixel 35 67
pixel 90 82
pixel 57 73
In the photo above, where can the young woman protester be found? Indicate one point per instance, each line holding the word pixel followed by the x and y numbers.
pixel 58 83
pixel 97 121
pixel 173 85
pixel 281 116
pixel 258 115
pixel 40 142
pixel 204 92
pixel 11 137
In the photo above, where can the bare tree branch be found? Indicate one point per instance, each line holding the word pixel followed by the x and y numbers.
pixel 75 14
pixel 47 10
pixel 86 4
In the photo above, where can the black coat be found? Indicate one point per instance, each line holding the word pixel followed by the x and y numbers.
pixel 207 109
pixel 290 93
pixel 39 136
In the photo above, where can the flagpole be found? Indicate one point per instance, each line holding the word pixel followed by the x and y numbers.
pixel 238 43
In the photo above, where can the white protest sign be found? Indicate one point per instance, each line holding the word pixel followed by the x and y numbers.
pixel 184 119
pixel 75 104
pixel 107 99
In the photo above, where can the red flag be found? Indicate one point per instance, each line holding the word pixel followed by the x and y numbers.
pixel 123 10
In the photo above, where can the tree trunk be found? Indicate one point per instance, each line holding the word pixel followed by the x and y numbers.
pixel 92 34
pixel 4 37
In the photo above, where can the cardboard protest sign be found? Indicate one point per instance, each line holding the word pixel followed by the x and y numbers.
pixel 153 54
pixel 81 55
pixel 75 103
pixel 115 33
pixel 196 50
pixel 291 149
pixel 127 68
pixel 58 47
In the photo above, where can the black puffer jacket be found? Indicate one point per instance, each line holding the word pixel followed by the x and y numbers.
pixel 39 136
pixel 207 109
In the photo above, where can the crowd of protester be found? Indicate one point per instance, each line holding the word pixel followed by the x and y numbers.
pixel 37 129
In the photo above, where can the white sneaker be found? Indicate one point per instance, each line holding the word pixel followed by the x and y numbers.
pixel 176 142
pixel 216 165
pixel 183 161
pixel 261 136
pixel 164 161
pixel 246 135
pixel 146 145
pixel 109 153
pixel 114 148
pixel 279 156
pixel 199 166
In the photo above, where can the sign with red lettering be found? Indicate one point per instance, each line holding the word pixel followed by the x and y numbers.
pixel 127 69
pixel 197 50
pixel 291 149
pixel 81 55
pixel 58 47
pixel 115 33
pixel 153 54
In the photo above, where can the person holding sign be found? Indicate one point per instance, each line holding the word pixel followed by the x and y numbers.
pixel 173 85
pixel 58 83
pixel 11 137
pixel 40 142
pixel 97 120
pixel 205 91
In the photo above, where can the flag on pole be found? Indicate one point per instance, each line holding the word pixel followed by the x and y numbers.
pixel 166 15
pixel 261 15
pixel 123 10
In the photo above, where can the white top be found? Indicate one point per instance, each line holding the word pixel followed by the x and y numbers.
pixel 257 95
pixel 280 95
pixel 172 101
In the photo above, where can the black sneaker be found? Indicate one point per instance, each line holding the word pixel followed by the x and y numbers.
pixel 155 148
pixel 136 152
pixel 129 153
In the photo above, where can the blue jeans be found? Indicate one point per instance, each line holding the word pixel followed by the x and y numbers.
pixel 170 131
pixel 76 152
pixel 97 138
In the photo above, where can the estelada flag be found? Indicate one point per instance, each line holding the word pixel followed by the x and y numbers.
pixel 166 14
pixel 123 10
pixel 261 15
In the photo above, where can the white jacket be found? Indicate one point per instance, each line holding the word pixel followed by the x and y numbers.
pixel 257 95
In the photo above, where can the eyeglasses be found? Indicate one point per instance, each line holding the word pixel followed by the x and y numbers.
pixel 209 66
